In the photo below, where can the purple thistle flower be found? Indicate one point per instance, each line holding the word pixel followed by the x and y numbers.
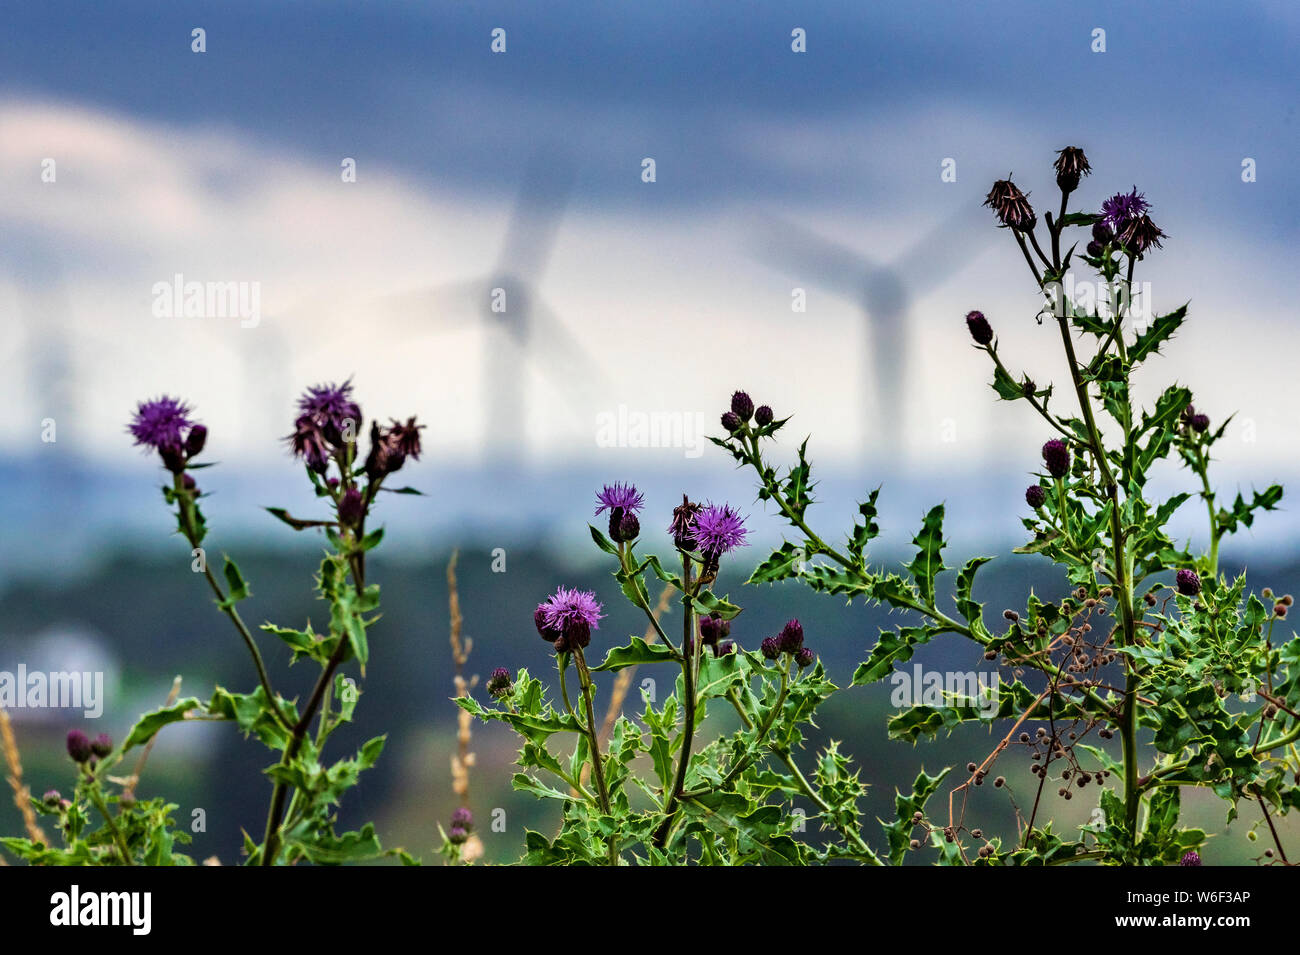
pixel 979 326
pixel 572 614
pixel 791 638
pixel 158 423
pixel 622 501
pixel 1057 458
pixel 1190 857
pixel 1121 209
pixel 498 685
pixel 619 496
pixel 79 746
pixel 719 530
pixel 463 818
pixel 457 835
pixel 331 408
pixel 1189 582
pixel 1035 496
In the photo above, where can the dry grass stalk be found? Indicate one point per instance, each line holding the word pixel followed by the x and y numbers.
pixel 22 795
pixel 133 780
pixel 463 758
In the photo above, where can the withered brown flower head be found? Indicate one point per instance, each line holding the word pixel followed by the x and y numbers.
pixel 1071 166
pixel 1011 206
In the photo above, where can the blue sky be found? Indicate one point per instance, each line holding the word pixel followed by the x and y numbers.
pixel 225 166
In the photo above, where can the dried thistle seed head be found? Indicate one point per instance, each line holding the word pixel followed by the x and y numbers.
pixel 1011 615
pixel 977 834
pixel 682 525
pixel 970 767
pixel 1011 206
pixel 1150 598
pixel 1024 737
pixel 1071 164
pixel 1287 600
pixel 979 327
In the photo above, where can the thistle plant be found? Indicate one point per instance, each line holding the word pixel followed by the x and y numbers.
pixel 1150 671
pixel 103 823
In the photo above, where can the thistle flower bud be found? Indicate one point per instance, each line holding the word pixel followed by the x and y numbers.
pixel 456 835
pixel 1057 458
pixel 351 508
pixel 173 457
pixel 79 747
pixel 1035 496
pixel 102 745
pixel 196 439
pixel 462 818
pixel 1101 233
pixel 771 647
pixel 713 628
pixel 805 657
pixel 980 329
pixel 763 416
pixel 1200 423
pixel 1094 249
pixel 791 637
pixel 731 421
pixel 52 797
pixel 725 648
pixel 1189 583
pixel 499 684
pixel 1279 610
pixel 629 527
pixel 742 406
pixel 1190 857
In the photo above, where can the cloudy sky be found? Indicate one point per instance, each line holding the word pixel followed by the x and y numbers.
pixel 774 170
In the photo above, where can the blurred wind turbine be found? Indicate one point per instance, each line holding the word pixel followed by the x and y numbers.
pixel 881 290
pixel 506 303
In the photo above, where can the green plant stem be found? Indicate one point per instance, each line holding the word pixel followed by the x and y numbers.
pixel 98 799
pixel 228 608
pixel 850 835
pixel 274 816
pixel 598 770
pixel 688 706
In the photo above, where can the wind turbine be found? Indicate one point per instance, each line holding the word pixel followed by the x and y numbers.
pixel 507 304
pixel 883 292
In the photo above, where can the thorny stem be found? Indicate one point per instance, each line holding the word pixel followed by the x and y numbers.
pixel 690 650
pixel 228 608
